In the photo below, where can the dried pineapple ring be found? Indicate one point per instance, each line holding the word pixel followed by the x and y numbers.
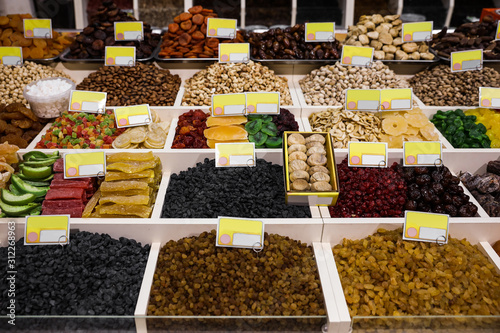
pixel 412 138
pixel 412 130
pixel 416 119
pixel 396 125
pixel 429 132
pixel 393 141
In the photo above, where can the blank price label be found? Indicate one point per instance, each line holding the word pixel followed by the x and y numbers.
pixel 221 28
pixel 87 101
pixel 77 165
pixel 37 28
pixel 129 31
pixel 235 154
pixel 417 31
pixel 419 153
pixel 234 52
pixel 120 56
pixel 462 61
pixel 241 233
pixel 320 32
pixel 426 227
pixel 263 102
pixel 356 56
pixel 396 99
pixel 362 100
pixel 135 115
pixel 367 154
pixel 489 97
pixel 46 230
pixel 11 55
pixel 228 104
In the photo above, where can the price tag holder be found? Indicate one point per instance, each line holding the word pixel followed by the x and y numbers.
pixel 320 32
pixel 234 52
pixel 489 97
pixel 357 56
pixel 426 227
pixel 37 28
pixel 11 55
pixel 396 99
pixel 240 233
pixel 362 100
pixel 367 154
pixel 228 104
pixel 46 230
pixel 135 115
pixel 417 31
pixel 221 28
pixel 129 31
pixel 235 154
pixel 420 153
pixel 462 61
pixel 78 165
pixel 87 101
pixel 120 55
pixel 263 103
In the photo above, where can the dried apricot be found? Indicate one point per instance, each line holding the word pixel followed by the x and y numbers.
pixel 186 25
pixel 195 10
pixel 198 19
pixel 226 133
pixel 225 121
pixel 4 20
pixel 184 39
pixel 173 27
pixel 185 16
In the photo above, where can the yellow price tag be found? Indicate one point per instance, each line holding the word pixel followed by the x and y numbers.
pixel 77 165
pixel 235 154
pixel 241 233
pixel 120 55
pixel 462 61
pixel 497 32
pixel 396 99
pixel 46 230
pixel 320 32
pixel 367 154
pixel 263 102
pixel 87 101
pixel 37 28
pixel 417 31
pixel 129 31
pixel 221 28
pixel 356 56
pixel 234 52
pixel 135 115
pixel 11 55
pixel 426 227
pixel 362 99
pixel 489 97
pixel 420 153
pixel 228 104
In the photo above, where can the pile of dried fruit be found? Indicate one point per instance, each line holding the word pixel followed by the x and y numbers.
pixel 8 156
pixel 12 34
pixel 485 188
pixel 383 275
pixel 369 192
pixel 92 42
pixel 436 190
pixel 225 130
pixel 282 281
pixel 263 131
pixel 187 36
pixel 189 130
pixel 18 124
pixel 490 118
pixel 73 130
pixel 150 136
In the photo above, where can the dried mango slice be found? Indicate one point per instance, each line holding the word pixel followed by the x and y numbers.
pixel 121 157
pixel 131 166
pixel 126 200
pixel 211 143
pixel 148 192
pixel 112 176
pixel 140 211
pixel 225 121
pixel 396 125
pixel 89 207
pixel 226 133
pixel 122 185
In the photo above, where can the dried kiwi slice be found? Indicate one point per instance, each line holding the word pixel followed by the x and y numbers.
pixel 253 126
pixel 270 129
pixel 259 138
pixel 267 119
pixel 274 142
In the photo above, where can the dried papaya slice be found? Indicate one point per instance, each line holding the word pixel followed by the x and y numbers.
pixel 226 133
pixel 131 166
pixel 123 185
pixel 147 191
pixel 89 207
pixel 112 176
pixel 140 211
pixel 120 157
pixel 126 200
pixel 225 121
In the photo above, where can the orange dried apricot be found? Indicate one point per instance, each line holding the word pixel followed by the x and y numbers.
pixel 185 16
pixel 4 20
pixel 225 121
pixel 226 133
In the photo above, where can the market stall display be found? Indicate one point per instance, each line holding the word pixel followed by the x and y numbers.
pixel 18 124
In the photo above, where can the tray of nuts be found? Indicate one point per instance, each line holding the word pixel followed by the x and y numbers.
pixel 64 57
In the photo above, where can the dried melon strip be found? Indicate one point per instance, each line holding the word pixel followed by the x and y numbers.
pixel 122 185
pixel 91 204
pixel 126 200
pixel 131 166
pixel 140 211
pixel 148 191
pixel 123 157
pixel 112 176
